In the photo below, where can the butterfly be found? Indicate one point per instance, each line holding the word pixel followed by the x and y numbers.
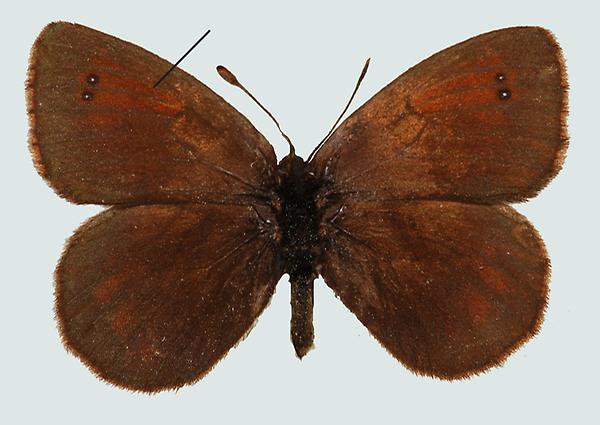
pixel 403 208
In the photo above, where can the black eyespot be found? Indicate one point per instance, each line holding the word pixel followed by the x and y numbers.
pixel 504 94
pixel 93 79
pixel 500 77
pixel 87 95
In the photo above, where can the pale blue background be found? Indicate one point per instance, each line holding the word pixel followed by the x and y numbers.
pixel 302 62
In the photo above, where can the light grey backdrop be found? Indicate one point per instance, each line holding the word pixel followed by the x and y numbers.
pixel 302 62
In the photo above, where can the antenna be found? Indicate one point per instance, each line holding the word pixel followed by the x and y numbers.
pixel 228 76
pixel 322 142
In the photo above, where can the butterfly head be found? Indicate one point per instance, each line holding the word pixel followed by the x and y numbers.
pixel 292 166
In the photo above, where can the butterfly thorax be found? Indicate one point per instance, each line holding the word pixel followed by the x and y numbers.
pixel 298 217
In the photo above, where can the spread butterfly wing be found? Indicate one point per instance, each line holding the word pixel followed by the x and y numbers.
pixel 151 297
pixel 100 133
pixel 482 121
pixel 449 289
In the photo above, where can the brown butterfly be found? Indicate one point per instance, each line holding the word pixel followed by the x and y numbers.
pixel 403 209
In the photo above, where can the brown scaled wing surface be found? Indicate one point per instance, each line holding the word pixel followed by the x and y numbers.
pixel 151 297
pixel 151 293
pixel 441 130
pixel 420 244
pixel 130 143
pixel 448 288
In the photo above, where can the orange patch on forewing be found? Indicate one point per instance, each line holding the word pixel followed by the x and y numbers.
pixel 462 99
pixel 138 101
pixel 463 82
pixel 113 81
pixel 495 279
pixel 129 93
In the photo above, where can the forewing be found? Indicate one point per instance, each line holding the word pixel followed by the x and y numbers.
pixel 482 121
pixel 100 133
pixel 449 289
pixel 151 297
